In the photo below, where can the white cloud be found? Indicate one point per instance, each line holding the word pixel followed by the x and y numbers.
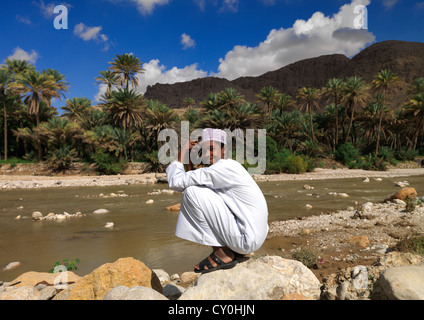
pixel 187 41
pixel 20 54
pixel 319 35
pixel 47 9
pixel 230 5
pixel 91 33
pixel 23 19
pixel 147 6
pixel 388 4
pixel 157 73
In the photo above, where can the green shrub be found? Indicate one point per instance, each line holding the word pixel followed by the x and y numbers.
pixel 406 155
pixel 61 159
pixel 295 164
pixel 308 257
pixel 107 164
pixel 346 154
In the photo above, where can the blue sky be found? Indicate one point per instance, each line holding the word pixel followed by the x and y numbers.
pixel 180 40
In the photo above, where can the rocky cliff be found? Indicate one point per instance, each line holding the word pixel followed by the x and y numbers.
pixel 402 57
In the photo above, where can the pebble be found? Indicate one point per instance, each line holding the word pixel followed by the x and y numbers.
pixel 149 201
pixel 12 265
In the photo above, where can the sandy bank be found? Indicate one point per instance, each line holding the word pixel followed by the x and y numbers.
pixel 8 182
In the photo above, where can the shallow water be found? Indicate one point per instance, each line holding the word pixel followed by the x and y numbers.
pixel 145 231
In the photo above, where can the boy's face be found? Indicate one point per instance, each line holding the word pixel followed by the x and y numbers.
pixel 213 151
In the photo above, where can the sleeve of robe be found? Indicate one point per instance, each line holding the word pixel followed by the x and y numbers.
pixel 218 176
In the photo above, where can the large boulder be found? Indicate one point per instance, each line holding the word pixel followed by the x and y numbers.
pixel 32 278
pixel 403 194
pixel 266 278
pixel 400 283
pixel 134 293
pixel 127 272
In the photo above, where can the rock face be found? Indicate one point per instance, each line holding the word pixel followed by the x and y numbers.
pixel 134 293
pixel 127 272
pixel 404 58
pixel 400 283
pixel 32 278
pixel 266 278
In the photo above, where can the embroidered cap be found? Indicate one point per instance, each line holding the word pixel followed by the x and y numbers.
pixel 214 135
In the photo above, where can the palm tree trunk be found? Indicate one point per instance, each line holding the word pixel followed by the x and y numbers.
pixel 5 126
pixel 311 123
pixel 350 123
pixel 39 154
pixel 379 130
pixel 337 121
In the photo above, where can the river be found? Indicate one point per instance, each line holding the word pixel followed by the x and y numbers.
pixel 145 231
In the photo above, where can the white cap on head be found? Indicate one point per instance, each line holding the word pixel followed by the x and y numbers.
pixel 214 135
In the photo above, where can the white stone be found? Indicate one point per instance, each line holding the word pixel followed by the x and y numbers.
pixel 100 211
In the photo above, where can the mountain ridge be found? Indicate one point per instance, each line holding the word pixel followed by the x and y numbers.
pixel 404 58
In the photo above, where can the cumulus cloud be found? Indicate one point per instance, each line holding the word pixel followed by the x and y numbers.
pixel 91 33
pixel 20 54
pixel 47 9
pixel 319 35
pixel 388 4
pixel 230 5
pixel 155 72
pixel 187 41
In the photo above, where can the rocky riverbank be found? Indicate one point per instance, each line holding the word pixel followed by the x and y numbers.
pixel 359 252
pixel 11 180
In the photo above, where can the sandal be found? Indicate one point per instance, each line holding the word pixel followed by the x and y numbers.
pixel 220 264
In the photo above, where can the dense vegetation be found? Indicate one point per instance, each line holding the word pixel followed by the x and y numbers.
pixel 348 120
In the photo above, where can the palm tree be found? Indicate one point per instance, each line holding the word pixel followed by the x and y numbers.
pixel 229 98
pixel 333 89
pixel 35 87
pixel 309 98
pixel 384 81
pixel 125 108
pixel 189 102
pixel 5 80
pixel 355 93
pixel 417 86
pixel 57 83
pixel 415 109
pixel 109 78
pixel 8 72
pixel 269 96
pixel 285 102
pixel 210 102
pixel 159 117
pixel 77 108
pixel 127 67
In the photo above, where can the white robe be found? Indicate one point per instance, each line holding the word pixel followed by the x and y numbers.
pixel 222 206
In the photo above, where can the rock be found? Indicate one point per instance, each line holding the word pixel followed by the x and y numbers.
pixel 265 278
pixel 18 217
pixel 47 293
pixel 109 225
pixel 400 283
pixel 163 276
pixel 12 265
pixel 37 215
pixel 32 278
pixel 100 211
pixel 175 207
pixel 308 206
pixel 305 232
pixel 398 201
pixel 344 195
pixel 149 201
pixel 123 272
pixel 133 293
pixel 366 180
pixel 402 194
pixel 189 276
pixel 20 293
pixel 360 241
pixel 308 187
pixel 293 296
pixel 173 291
